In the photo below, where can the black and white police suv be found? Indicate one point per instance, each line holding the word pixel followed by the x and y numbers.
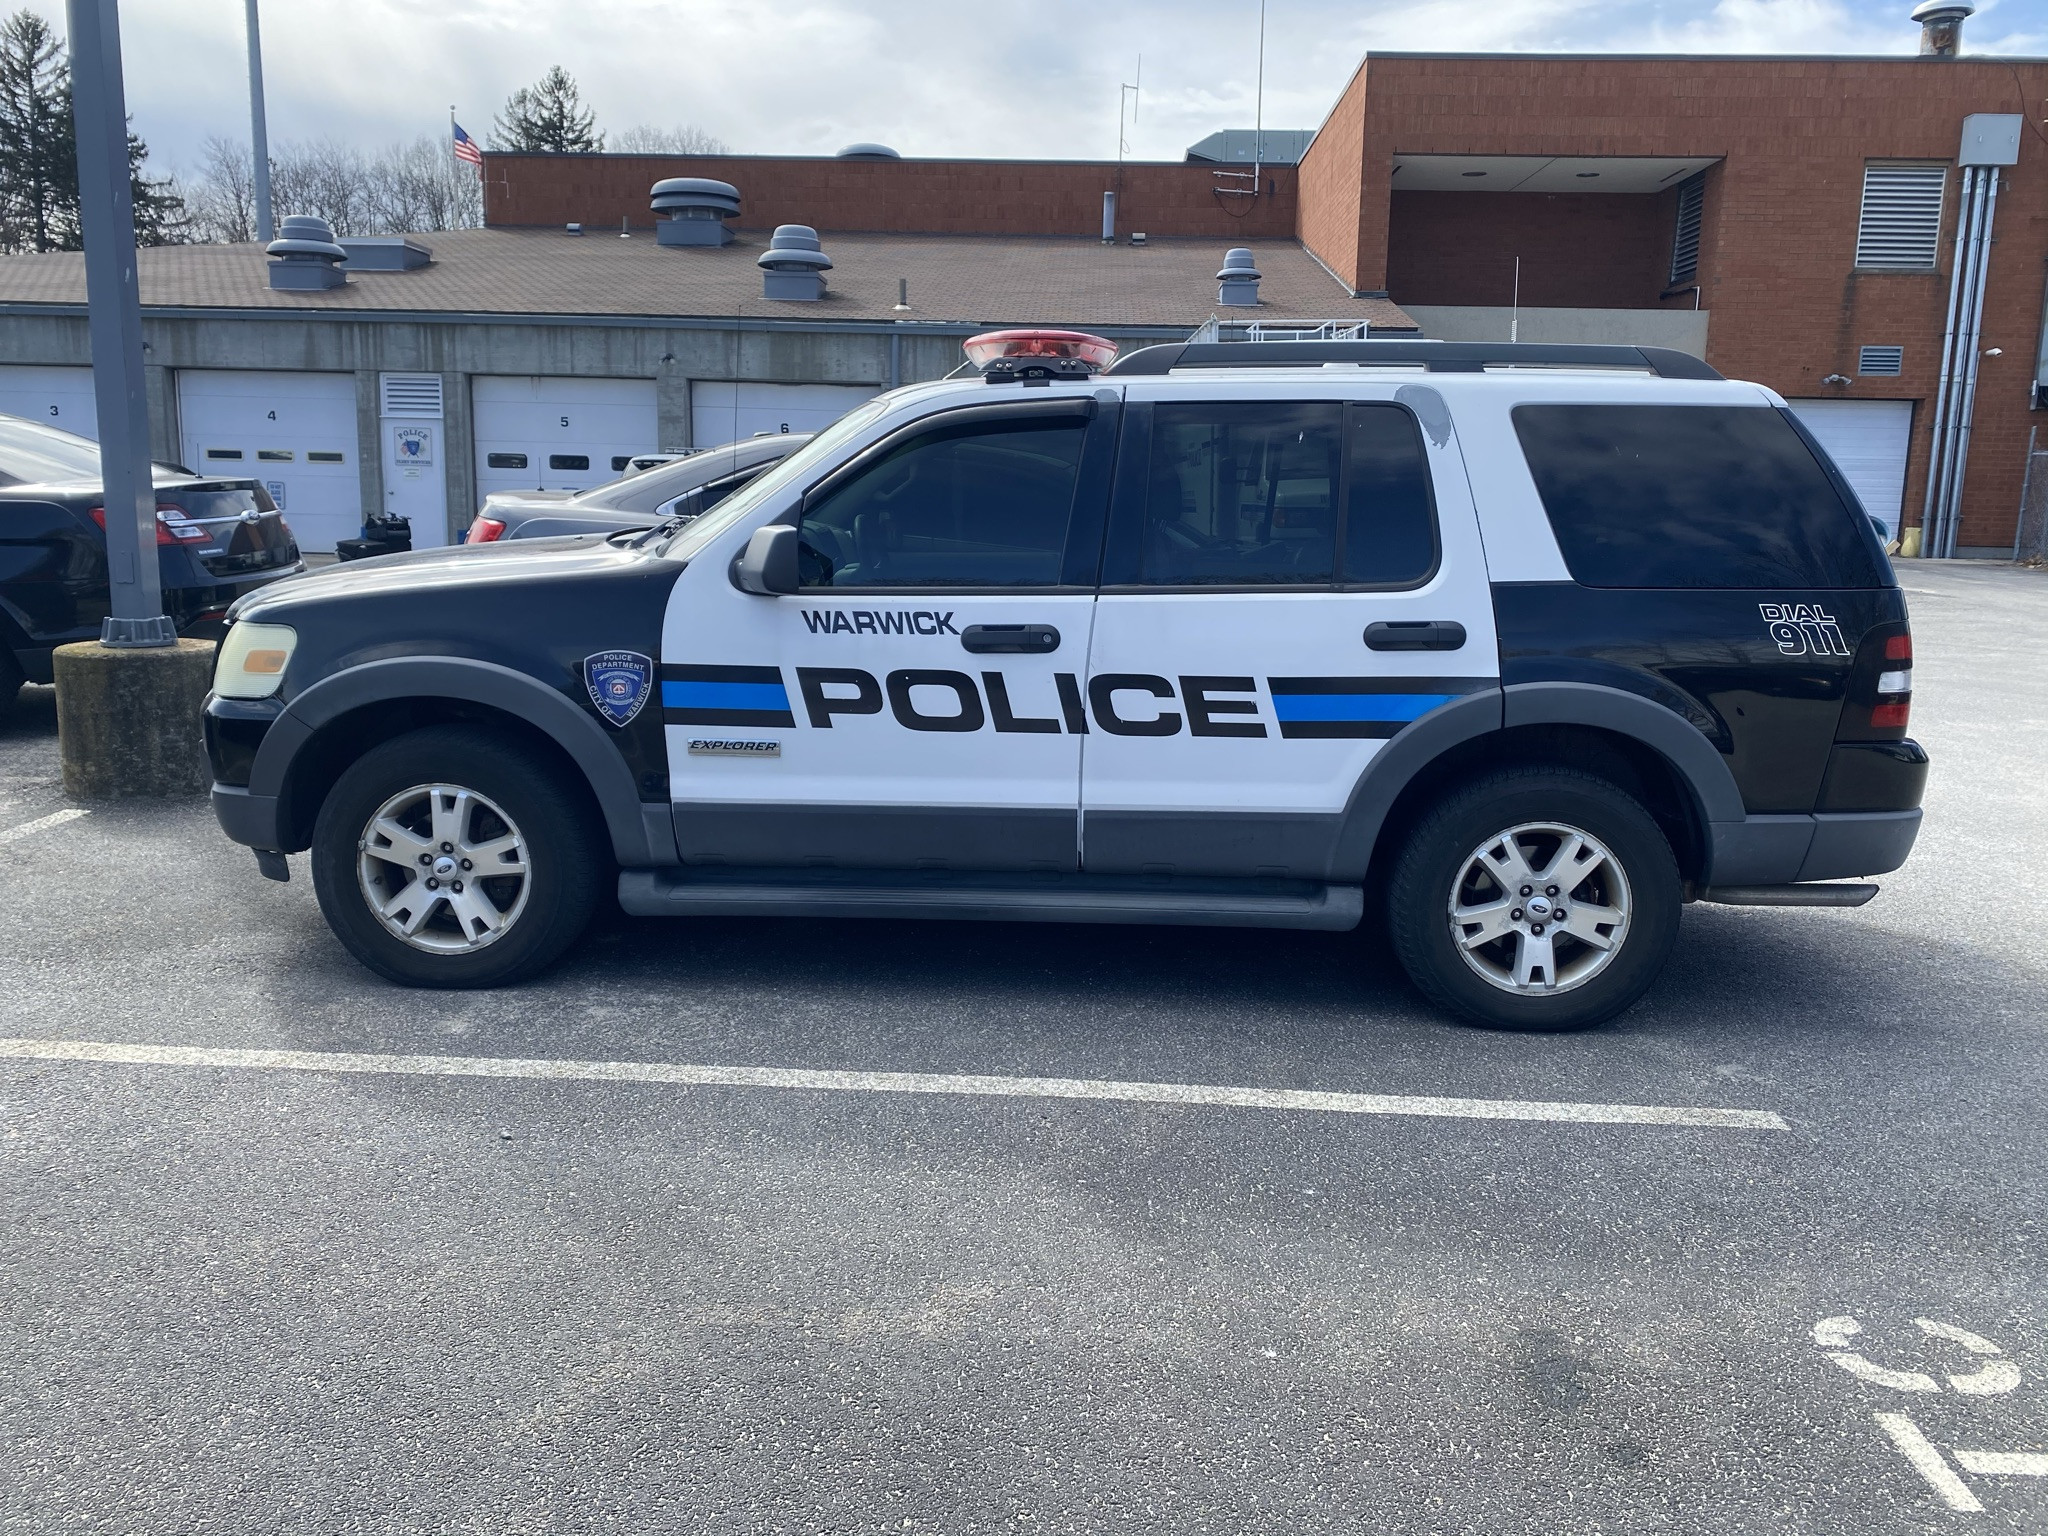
pixel 1542 641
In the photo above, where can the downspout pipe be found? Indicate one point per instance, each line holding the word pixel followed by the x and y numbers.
pixel 1937 460
pixel 1980 262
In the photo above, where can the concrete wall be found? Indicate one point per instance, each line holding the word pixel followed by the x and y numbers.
pixel 1685 330
pixel 674 354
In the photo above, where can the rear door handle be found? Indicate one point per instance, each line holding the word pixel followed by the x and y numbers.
pixel 1010 639
pixel 1415 635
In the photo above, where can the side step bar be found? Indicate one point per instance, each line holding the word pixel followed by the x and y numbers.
pixel 989 898
pixel 1817 895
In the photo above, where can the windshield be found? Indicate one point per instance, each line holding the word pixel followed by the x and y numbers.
pixel 819 452
pixel 37 455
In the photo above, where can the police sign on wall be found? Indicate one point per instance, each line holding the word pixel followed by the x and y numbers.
pixel 413 445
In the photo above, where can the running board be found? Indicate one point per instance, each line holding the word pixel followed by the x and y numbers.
pixel 1817 895
pixel 990 898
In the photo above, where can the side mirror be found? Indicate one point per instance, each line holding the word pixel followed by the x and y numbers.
pixel 767 566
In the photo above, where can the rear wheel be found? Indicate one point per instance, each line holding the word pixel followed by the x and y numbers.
pixel 1535 899
pixel 456 857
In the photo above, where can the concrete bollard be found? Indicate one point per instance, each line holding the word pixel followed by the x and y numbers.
pixel 128 721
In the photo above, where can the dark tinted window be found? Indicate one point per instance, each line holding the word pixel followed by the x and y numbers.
pixel 1242 493
pixel 321 456
pixel 1389 517
pixel 1691 496
pixel 568 461
pixel 505 460
pixel 620 461
pixel 975 506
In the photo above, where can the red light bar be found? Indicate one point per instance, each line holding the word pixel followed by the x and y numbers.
pixel 1095 352
pixel 485 530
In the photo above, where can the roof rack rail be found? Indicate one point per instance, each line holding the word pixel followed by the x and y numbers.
pixel 1436 356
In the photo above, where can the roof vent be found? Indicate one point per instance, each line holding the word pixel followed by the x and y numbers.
pixel 793 266
pixel 688 210
pixel 867 152
pixel 384 253
pixel 304 257
pixel 1941 26
pixel 1238 282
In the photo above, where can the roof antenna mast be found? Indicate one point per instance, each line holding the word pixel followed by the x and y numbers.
pixel 1246 183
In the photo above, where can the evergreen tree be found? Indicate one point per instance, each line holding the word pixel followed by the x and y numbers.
pixel 38 158
pixel 547 117
pixel 39 152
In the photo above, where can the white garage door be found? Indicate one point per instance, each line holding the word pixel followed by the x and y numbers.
pixel 1867 439
pixel 57 397
pixel 295 432
pixel 559 434
pixel 720 413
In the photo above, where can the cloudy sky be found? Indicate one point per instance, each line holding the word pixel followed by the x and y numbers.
pixel 1034 78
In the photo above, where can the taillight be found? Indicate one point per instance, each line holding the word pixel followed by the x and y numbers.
pixel 172 526
pixel 1880 698
pixel 485 530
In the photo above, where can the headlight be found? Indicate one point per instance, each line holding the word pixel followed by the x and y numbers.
pixel 252 660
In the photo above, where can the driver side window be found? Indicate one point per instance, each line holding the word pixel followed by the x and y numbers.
pixel 985 504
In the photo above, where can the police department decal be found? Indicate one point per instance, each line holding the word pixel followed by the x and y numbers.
pixel 619 683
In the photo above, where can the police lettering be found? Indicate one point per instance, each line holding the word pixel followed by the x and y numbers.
pixel 937 699
pixel 877 621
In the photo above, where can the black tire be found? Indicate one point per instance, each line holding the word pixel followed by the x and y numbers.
pixel 565 857
pixel 1434 866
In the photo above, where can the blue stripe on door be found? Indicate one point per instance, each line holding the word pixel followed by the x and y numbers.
pixel 1401 707
pixel 702 695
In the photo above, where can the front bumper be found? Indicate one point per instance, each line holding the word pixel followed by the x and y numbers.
pixel 250 820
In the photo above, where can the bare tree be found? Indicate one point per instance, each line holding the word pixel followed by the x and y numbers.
pixel 223 197
pixel 686 139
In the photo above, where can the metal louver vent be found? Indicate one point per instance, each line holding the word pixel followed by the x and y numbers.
pixel 1901 223
pixel 1685 241
pixel 1881 362
pixel 410 394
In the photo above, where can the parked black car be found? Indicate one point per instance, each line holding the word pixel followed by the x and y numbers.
pixel 684 487
pixel 216 539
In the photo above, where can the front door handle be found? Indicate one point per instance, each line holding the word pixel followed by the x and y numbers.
pixel 1415 635
pixel 1010 639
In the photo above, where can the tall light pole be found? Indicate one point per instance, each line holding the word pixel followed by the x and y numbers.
pixel 259 133
pixel 106 209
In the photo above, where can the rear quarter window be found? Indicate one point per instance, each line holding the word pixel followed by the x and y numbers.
pixel 1693 496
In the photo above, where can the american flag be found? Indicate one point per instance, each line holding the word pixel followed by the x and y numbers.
pixel 465 147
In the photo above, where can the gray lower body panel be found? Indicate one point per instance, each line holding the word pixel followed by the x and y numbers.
pixel 1245 844
pixel 250 820
pixel 863 837
pixel 1781 850
pixel 990 898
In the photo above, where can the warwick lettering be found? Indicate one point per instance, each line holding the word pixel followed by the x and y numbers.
pixel 873 621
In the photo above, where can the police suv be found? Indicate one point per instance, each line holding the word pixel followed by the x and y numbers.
pixel 1540 641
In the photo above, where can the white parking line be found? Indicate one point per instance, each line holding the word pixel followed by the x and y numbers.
pixel 1929 1463
pixel 40 824
pixel 889 1082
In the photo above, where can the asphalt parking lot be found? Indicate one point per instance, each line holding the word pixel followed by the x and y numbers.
pixel 238 1294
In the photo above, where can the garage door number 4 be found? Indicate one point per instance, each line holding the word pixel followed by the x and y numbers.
pixel 1995 1377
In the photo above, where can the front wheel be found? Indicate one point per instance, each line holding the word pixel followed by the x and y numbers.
pixel 1535 899
pixel 456 857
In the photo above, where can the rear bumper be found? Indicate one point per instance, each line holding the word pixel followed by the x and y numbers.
pixel 1783 850
pixel 250 820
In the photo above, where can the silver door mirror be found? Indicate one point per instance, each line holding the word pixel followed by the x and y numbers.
pixel 767 566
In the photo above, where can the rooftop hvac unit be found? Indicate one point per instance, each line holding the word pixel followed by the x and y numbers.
pixel 1237 285
pixel 867 152
pixel 304 257
pixel 689 210
pixel 794 265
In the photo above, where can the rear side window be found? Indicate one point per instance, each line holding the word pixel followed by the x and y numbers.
pixel 1691 496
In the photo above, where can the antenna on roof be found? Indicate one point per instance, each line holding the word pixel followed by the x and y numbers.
pixel 1257 172
pixel 1127 95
